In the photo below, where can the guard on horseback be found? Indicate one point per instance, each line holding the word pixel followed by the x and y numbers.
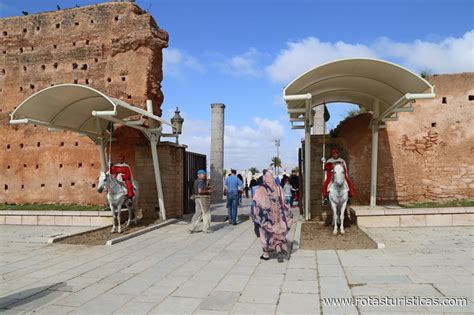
pixel 328 168
pixel 125 171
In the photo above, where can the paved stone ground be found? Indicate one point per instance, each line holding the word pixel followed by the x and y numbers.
pixel 37 233
pixel 171 271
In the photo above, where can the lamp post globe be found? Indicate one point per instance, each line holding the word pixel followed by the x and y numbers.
pixel 177 122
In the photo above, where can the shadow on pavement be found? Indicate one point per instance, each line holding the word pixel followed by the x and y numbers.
pixel 45 293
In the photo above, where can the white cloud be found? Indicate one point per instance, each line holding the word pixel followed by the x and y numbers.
pixel 448 55
pixel 244 146
pixel 301 56
pixel 444 56
pixel 244 65
pixel 176 62
pixel 269 128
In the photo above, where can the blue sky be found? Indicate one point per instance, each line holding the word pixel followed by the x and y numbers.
pixel 242 53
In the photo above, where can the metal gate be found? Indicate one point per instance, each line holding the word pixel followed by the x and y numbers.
pixel 192 163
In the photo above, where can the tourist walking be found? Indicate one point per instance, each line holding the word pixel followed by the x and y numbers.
pixel 201 220
pixel 294 181
pixel 241 191
pixel 232 188
pixel 253 183
pixel 288 189
pixel 273 217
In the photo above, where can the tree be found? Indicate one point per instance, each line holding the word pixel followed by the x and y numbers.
pixel 355 112
pixel 276 163
pixel 254 170
pixel 426 73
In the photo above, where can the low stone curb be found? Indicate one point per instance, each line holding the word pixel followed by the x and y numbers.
pixel 294 237
pixel 297 239
pixel 60 238
pixel 137 233
pixel 380 244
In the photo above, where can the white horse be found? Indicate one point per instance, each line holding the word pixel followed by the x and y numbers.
pixel 117 195
pixel 338 196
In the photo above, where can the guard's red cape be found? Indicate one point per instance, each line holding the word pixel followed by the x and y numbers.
pixel 124 169
pixel 328 167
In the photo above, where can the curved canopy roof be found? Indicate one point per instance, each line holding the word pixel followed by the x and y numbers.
pixel 359 81
pixel 74 107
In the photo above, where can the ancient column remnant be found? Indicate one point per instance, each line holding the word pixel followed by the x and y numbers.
pixel 217 151
pixel 318 124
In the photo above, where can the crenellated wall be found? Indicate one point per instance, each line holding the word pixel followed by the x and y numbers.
pixel 113 47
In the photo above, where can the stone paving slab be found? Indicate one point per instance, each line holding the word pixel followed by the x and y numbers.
pixel 169 271
pixel 220 301
pixel 177 305
pixel 293 303
pixel 253 308
pixel 37 234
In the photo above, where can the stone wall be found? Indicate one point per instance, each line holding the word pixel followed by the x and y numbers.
pixel 136 148
pixel 113 47
pixel 427 155
pixel 171 158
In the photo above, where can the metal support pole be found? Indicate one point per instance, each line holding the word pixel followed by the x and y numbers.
pixel 154 137
pixel 156 168
pixel 375 146
pixel 103 163
pixel 324 147
pixel 307 161
pixel 100 147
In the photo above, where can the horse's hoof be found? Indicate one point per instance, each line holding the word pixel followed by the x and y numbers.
pixel 343 232
pixel 334 233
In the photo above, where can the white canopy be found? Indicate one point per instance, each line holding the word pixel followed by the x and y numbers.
pixel 74 107
pixel 359 81
pixel 380 86
pixel 84 110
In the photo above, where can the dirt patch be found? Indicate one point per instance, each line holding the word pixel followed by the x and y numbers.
pixel 317 235
pixel 101 236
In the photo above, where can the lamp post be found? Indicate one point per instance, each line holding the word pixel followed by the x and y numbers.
pixel 177 122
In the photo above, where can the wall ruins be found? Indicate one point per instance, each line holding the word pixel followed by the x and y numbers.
pixel 427 155
pixel 113 47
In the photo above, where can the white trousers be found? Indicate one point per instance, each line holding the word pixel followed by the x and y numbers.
pixel 203 213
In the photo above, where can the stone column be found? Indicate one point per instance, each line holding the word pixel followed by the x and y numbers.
pixel 318 122
pixel 217 151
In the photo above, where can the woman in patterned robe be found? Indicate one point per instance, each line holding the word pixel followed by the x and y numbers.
pixel 273 217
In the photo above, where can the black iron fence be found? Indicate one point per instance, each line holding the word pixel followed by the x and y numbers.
pixel 192 163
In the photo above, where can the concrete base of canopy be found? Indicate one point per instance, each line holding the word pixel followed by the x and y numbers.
pixel 391 216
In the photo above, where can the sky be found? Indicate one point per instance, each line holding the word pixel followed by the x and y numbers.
pixel 243 53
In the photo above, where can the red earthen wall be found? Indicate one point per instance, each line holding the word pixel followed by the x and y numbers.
pixel 427 155
pixel 113 47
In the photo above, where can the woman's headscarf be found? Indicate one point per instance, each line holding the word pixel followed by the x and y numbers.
pixel 267 190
